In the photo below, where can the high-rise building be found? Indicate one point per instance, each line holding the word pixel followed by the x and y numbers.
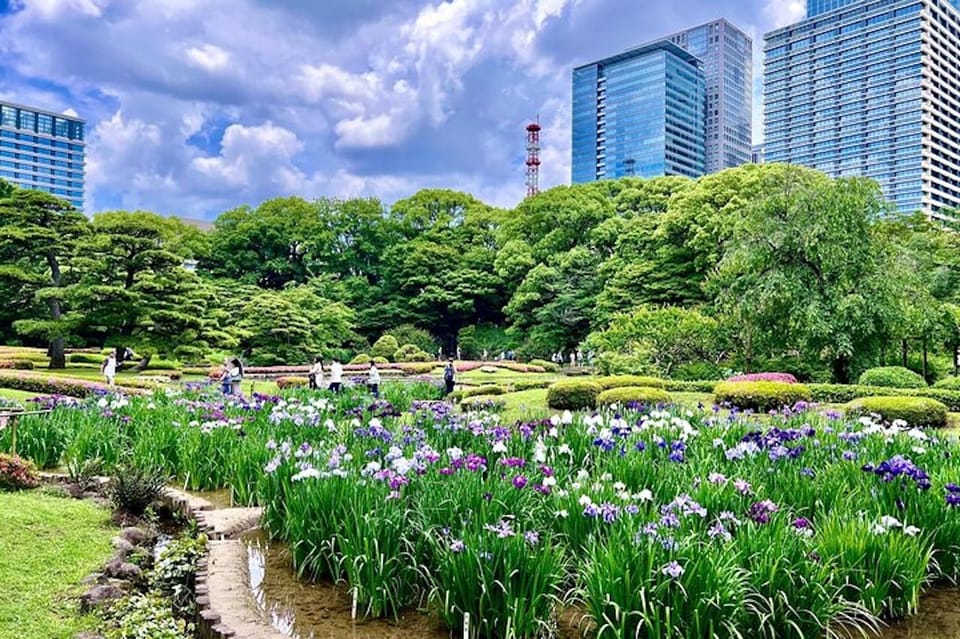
pixel 758 156
pixel 640 113
pixel 727 55
pixel 871 88
pixel 42 150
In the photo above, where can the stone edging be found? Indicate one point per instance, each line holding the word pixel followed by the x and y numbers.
pixel 225 605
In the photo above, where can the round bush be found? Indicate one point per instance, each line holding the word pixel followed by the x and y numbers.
pixel 385 347
pixel 892 377
pixel 360 359
pixel 949 383
pixel 761 396
pixel 86 358
pixel 380 360
pixel 545 365
pixel 530 384
pixel 573 395
pixel 630 394
pixel 623 381
pixel 292 382
pixel 17 473
pixel 921 412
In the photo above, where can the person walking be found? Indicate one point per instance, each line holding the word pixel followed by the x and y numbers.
pixel 459 358
pixel 449 376
pixel 109 368
pixel 336 376
pixel 225 377
pixel 373 380
pixel 236 376
pixel 315 377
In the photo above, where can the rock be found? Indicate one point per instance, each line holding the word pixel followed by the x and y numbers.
pixel 136 536
pixel 124 547
pixel 98 596
pixel 121 569
pixel 86 634
pixel 93 579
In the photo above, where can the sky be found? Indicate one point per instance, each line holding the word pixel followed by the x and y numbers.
pixel 194 107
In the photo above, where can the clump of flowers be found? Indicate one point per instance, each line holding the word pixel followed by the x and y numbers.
pixel 17 474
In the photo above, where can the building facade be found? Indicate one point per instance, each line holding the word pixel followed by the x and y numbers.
pixel 640 113
pixel 727 55
pixel 871 88
pixel 42 150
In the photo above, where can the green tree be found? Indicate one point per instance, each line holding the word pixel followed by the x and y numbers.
pixel 38 235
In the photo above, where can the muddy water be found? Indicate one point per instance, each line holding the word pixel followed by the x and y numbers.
pixel 304 610
pixel 222 498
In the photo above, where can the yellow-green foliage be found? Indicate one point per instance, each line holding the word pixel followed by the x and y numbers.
pixel 922 412
pixel 628 394
pixel 624 381
pixel 760 396
pixel 573 395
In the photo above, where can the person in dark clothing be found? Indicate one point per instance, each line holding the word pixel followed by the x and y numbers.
pixel 449 376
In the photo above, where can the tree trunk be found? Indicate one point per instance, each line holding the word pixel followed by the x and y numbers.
pixel 903 349
pixel 58 359
pixel 841 370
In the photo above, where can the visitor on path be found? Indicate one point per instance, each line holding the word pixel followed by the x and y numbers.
pixel 225 377
pixel 109 368
pixel 236 376
pixel 573 359
pixel 440 354
pixel 336 376
pixel 373 380
pixel 486 354
pixel 459 358
pixel 315 377
pixel 449 376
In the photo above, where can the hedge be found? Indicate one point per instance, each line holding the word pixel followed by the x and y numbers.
pixel 292 382
pixel 530 384
pixel 634 381
pixel 66 386
pixel 478 391
pixel 17 364
pixel 761 396
pixel 628 394
pixel 362 358
pixel 892 377
pixel 86 358
pixel 921 412
pixel 550 367
pixel 163 364
pixel 680 386
pixel 949 383
pixel 841 394
pixel 786 378
pixel 573 395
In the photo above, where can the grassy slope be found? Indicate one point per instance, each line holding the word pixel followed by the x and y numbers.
pixel 15 395
pixel 47 545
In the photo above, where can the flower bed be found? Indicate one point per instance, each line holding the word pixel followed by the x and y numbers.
pixel 679 521
pixel 32 383
pixel 785 378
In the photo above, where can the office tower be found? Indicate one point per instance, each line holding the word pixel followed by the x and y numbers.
pixel 42 150
pixel 640 113
pixel 727 55
pixel 871 88
pixel 758 156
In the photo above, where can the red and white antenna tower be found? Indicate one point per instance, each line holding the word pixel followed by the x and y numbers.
pixel 533 158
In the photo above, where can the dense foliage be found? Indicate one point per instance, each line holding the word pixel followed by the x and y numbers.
pixel 756 268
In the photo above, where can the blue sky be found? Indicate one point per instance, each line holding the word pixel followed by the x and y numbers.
pixel 194 107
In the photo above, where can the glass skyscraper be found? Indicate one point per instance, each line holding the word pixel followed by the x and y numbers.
pixel 727 54
pixel 871 88
pixel 640 113
pixel 42 150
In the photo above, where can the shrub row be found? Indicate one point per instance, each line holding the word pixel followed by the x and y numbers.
pixel 679 386
pixel 629 394
pixel 892 377
pixel 65 386
pixel 761 396
pixel 921 412
pixel 550 367
pixel 841 394
pixel 623 381
pixel 785 378
pixel 949 383
pixel 530 384
pixel 292 382
pixel 86 358
pixel 17 364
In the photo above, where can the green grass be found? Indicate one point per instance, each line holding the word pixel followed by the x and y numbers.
pixel 47 546
pixel 15 395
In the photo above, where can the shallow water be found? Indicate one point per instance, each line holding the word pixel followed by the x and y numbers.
pixel 222 498
pixel 305 610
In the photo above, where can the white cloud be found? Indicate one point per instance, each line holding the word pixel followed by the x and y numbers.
pixel 784 12
pixel 209 57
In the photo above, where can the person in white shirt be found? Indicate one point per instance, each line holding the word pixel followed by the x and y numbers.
pixel 109 368
pixel 235 371
pixel 315 376
pixel 373 380
pixel 336 376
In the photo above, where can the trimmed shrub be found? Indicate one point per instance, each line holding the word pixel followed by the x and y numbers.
pixel 623 381
pixel 629 394
pixel 411 353
pixel 550 367
pixel 169 374
pixel 892 377
pixel 163 364
pixel 86 358
pixel 949 383
pixel 380 360
pixel 573 395
pixel 785 378
pixel 760 396
pixel 32 383
pixel 921 412
pixel 385 347
pixel 17 473
pixel 360 359
pixel 841 394
pixel 17 364
pixel 197 370
pixel 477 391
pixel 679 386
pixel 292 382
pixel 410 334
pixel 530 384
pixel 418 368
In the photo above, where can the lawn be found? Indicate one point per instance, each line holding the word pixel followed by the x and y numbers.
pixel 15 395
pixel 47 546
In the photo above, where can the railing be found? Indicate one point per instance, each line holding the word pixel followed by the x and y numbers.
pixel 9 420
